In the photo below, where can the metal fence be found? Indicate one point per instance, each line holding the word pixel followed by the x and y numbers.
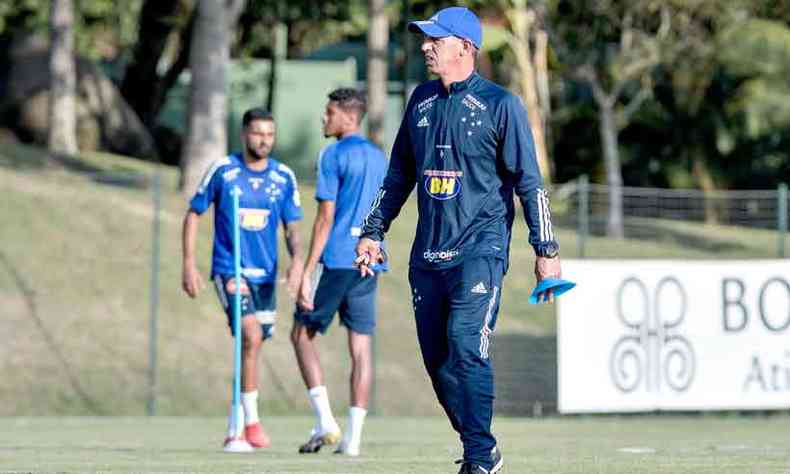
pixel 585 208
pixel 167 349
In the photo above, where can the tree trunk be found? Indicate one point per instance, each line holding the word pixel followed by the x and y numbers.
pixel 407 46
pixel 702 174
pixel 179 65
pixel 377 70
pixel 279 52
pixel 521 22
pixel 614 178
pixel 62 138
pixel 544 93
pixel 206 138
pixel 142 83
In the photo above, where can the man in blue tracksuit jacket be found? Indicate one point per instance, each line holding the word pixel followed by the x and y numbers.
pixel 465 143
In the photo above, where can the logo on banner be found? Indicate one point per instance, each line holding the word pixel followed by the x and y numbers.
pixel 442 184
pixel 653 354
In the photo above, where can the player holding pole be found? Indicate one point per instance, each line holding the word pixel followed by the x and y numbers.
pixel 268 195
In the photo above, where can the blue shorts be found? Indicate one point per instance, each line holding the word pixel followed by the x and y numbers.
pixel 345 292
pixel 259 302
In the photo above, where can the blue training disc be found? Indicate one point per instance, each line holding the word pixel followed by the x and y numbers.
pixel 559 286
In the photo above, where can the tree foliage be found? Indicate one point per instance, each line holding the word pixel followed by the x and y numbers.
pixel 696 91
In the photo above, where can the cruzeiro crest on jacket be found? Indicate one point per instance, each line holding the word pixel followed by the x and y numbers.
pixel 471 120
pixel 443 184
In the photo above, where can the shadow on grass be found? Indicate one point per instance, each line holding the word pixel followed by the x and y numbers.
pixel 646 230
pixel 525 368
pixel 28 158
pixel 29 295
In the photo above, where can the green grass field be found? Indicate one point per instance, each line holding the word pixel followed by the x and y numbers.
pixel 394 445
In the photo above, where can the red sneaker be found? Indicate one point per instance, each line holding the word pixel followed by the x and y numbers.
pixel 256 436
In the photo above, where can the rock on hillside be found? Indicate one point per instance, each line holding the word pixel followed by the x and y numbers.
pixel 104 120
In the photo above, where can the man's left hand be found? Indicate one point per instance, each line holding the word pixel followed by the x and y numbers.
pixel 547 268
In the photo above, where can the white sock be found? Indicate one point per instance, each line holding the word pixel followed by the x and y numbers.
pixel 353 435
pixel 234 430
pixel 249 400
pixel 325 421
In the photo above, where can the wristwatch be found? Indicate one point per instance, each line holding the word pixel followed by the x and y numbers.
pixel 548 250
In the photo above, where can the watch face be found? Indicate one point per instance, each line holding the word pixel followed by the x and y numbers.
pixel 550 250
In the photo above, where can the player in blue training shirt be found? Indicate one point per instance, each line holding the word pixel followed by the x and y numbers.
pixel 465 143
pixel 269 196
pixel 350 172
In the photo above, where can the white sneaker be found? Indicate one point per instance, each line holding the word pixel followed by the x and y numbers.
pixel 343 448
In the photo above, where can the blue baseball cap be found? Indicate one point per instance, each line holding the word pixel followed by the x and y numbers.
pixel 452 21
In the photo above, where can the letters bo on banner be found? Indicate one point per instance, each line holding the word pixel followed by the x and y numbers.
pixel 646 335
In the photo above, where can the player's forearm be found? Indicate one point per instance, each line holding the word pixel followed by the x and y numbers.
pixel 293 242
pixel 537 212
pixel 321 228
pixel 189 237
pixel 386 207
pixel 396 188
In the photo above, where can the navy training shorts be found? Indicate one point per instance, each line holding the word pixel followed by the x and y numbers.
pixel 346 292
pixel 259 302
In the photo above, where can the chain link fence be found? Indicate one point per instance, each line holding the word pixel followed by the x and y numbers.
pixel 90 286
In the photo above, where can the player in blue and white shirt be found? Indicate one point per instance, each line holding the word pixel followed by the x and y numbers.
pixel 350 171
pixel 268 197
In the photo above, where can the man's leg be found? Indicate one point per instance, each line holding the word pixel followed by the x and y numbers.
pixel 430 313
pixel 358 314
pixel 252 340
pixel 250 347
pixel 474 302
pixel 306 327
pixel 359 347
pixel 256 328
pixel 307 356
pixel 247 415
pixel 326 430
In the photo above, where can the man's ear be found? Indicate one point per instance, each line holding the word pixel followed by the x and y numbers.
pixel 467 48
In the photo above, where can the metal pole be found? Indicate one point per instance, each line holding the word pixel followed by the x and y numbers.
pixel 236 309
pixel 154 309
pixel 372 404
pixel 583 225
pixel 781 210
pixel 237 443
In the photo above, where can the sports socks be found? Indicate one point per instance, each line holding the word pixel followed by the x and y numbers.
pixel 353 435
pixel 249 402
pixel 325 421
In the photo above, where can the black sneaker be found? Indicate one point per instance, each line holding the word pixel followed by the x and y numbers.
pixel 314 444
pixel 496 460
pixel 471 468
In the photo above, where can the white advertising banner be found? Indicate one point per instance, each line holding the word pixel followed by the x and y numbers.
pixel 644 335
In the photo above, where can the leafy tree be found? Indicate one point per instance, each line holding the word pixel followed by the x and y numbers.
pixel 611 46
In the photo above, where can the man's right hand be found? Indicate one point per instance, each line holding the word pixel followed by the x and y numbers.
pixel 368 254
pixel 305 297
pixel 191 281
